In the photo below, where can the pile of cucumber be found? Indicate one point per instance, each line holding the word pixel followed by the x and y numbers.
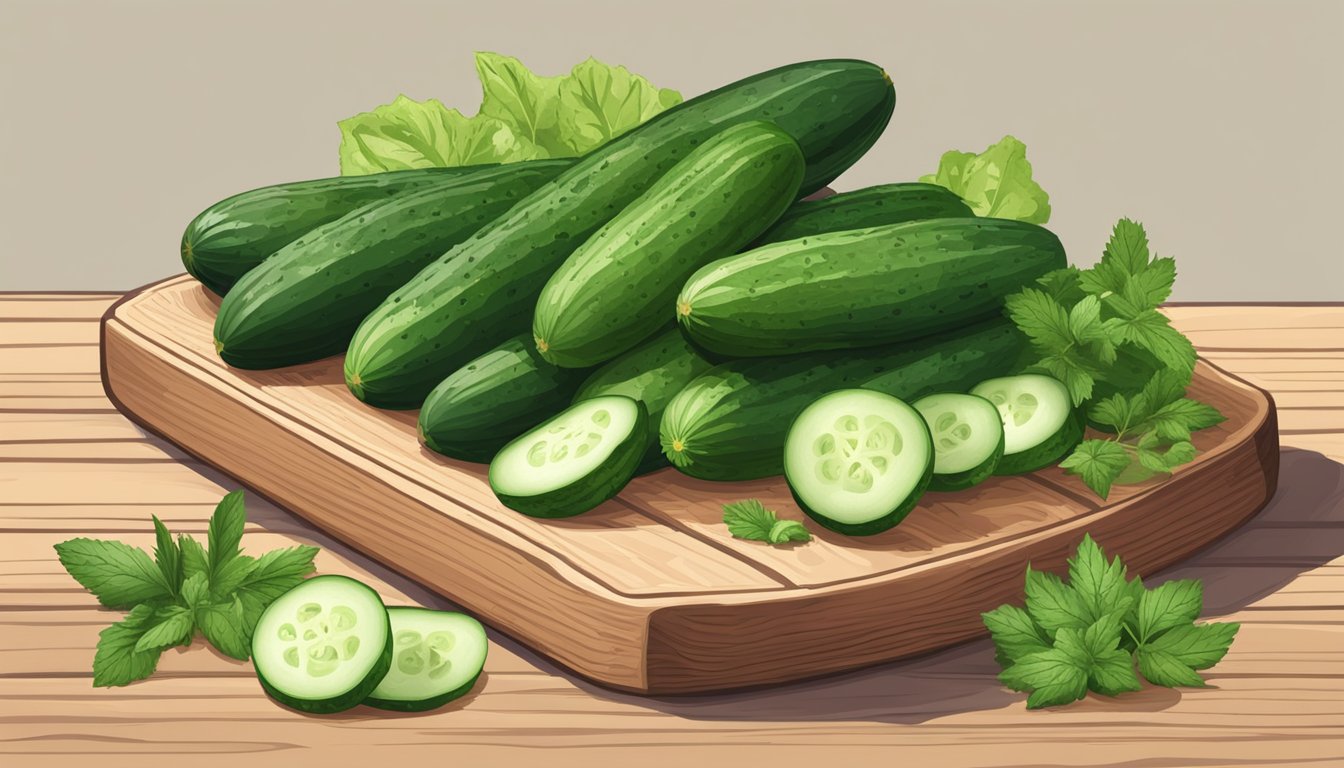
pixel 330 644
pixel 669 298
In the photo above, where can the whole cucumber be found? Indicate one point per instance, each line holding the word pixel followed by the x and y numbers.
pixel 304 302
pixel 614 290
pixel 485 289
pixel 867 207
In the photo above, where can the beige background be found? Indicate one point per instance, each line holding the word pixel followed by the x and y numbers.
pixel 1219 125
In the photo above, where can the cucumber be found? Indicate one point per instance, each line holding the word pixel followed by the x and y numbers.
pixel 436 657
pixel 573 462
pixel 614 290
pixel 863 287
pixel 493 399
pixel 867 207
pixel 651 373
pixel 485 289
pixel 234 235
pixel 857 461
pixel 731 421
pixel 1040 424
pixel 304 302
pixel 323 646
pixel 967 436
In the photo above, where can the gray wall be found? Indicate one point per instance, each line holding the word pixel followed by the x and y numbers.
pixel 1219 125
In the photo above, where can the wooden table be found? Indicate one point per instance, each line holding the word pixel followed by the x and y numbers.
pixel 70 465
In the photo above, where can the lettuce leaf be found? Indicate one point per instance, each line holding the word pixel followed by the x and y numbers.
pixel 996 182
pixel 522 116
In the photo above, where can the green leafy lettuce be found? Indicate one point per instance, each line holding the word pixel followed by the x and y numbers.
pixel 523 116
pixel 995 183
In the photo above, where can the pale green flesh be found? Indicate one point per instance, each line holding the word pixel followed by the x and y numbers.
pixel 1033 408
pixel 433 653
pixel 564 449
pixel 320 639
pixel 855 455
pixel 965 430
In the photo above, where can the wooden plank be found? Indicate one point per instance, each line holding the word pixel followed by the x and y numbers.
pixel 709 627
pixel 47 360
pixel 49 427
pixel 56 333
pixel 33 308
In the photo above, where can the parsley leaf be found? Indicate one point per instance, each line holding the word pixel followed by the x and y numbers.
pixel 1098 463
pixel 117 660
pixel 750 520
pixel 1056 653
pixel 119 575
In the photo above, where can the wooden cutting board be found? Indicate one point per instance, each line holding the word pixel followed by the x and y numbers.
pixel 649 593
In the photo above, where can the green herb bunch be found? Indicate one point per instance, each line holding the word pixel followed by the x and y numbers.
pixel 1091 632
pixel 185 588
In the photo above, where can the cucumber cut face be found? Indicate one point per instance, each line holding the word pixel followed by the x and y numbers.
pixel 857 461
pixel 436 657
pixel 968 439
pixel 575 461
pixel 322 646
pixel 1040 424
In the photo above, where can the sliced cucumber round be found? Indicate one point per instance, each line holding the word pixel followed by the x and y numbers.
pixel 857 461
pixel 436 657
pixel 323 646
pixel 968 439
pixel 574 461
pixel 1040 424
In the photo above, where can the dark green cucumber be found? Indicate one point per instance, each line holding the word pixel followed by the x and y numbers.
pixel 615 290
pixel 864 287
pixel 305 302
pixel 651 373
pixel 493 399
pixel 234 235
pixel 485 289
pixel 867 207
pixel 730 423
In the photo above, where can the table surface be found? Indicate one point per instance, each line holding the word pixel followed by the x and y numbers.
pixel 71 465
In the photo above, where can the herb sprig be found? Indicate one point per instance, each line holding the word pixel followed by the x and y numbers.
pixel 750 520
pixel 1091 632
pixel 185 588
pixel 1099 332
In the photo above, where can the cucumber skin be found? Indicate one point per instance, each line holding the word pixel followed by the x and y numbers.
pixel 485 289
pixel 731 421
pixel 234 235
pixel 591 490
pixel 614 291
pixel 868 207
pixel 865 287
pixel 959 481
pixel 1065 439
pixel 652 373
pixel 305 301
pixel 433 702
pixel 352 698
pixel 493 399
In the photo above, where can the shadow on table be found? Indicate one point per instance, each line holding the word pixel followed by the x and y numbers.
pixel 1300 529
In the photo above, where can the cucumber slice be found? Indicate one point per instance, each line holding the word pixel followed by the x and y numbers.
pixel 968 439
pixel 322 646
pixel 574 461
pixel 1040 424
pixel 857 461
pixel 436 657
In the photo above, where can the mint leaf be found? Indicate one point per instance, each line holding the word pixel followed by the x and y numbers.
pixel 1198 646
pixel 117 661
pixel 1098 463
pixel 167 556
pixel 1115 411
pixel 1042 318
pixel 749 519
pixel 1162 668
pixel 223 624
pixel 1100 585
pixel 1164 460
pixel 1015 634
pixel 171 625
pixel 1053 604
pixel 196 590
pixel 231 576
pixel 997 182
pixel 225 531
pixel 1054 677
pixel 119 575
pixel 1112 673
pixel 1151 330
pixel 277 572
pixel 1169 605
pixel 785 531
pixel 1175 420
pixel 193 556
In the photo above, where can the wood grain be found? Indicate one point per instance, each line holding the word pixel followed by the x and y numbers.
pixel 649 593
pixel 1275 699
